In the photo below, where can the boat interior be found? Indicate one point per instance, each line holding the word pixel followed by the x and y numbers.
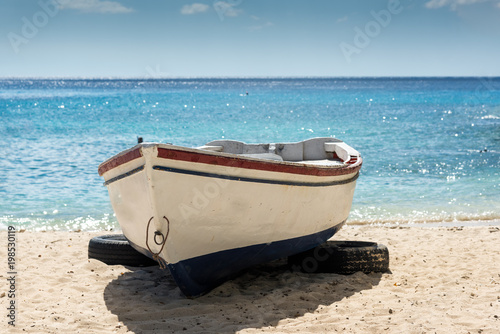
pixel 320 151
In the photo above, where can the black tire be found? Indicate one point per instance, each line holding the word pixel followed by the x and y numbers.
pixel 115 249
pixel 342 257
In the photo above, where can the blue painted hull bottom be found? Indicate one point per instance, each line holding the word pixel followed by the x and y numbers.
pixel 199 275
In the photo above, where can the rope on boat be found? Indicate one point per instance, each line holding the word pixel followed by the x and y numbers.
pixel 156 256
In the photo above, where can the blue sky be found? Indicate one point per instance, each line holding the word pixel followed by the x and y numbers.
pixel 249 38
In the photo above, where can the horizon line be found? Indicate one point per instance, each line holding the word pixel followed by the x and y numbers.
pixel 242 77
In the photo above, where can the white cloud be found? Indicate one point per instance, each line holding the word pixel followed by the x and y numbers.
pixel 437 3
pixel 454 4
pixel 342 19
pixel 232 12
pixel 94 6
pixel 260 27
pixel 194 9
pixel 227 8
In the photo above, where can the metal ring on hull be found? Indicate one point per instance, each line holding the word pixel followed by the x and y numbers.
pixel 156 256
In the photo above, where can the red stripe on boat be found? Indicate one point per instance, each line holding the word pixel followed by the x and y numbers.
pixel 120 160
pixel 250 164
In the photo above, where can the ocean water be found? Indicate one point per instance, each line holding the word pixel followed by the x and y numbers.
pixel 431 146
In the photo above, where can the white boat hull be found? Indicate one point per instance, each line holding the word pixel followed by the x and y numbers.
pixel 221 213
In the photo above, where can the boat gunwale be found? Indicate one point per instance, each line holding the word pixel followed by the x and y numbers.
pixel 120 159
pixel 194 155
pixel 239 161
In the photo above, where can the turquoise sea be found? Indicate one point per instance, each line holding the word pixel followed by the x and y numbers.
pixel 431 146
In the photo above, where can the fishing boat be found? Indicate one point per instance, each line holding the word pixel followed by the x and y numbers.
pixel 208 213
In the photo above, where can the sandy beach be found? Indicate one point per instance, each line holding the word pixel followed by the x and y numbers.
pixel 442 280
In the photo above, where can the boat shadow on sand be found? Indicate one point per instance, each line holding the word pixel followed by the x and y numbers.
pixel 147 300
